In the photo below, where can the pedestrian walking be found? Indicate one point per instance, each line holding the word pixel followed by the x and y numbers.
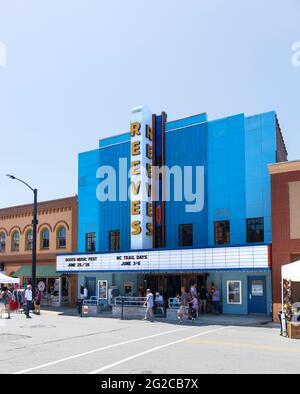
pixel 84 293
pixel 184 308
pixel 194 307
pixel 37 303
pixel 5 299
pixel 203 295
pixel 216 301
pixel 28 300
pixel 193 290
pixel 149 304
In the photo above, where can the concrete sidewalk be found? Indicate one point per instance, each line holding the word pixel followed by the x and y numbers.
pixel 235 320
pixel 208 319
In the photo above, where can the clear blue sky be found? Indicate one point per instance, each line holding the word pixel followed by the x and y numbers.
pixel 75 68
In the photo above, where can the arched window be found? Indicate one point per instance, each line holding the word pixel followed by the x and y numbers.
pixel 45 239
pixel 15 241
pixel 61 238
pixel 2 242
pixel 28 240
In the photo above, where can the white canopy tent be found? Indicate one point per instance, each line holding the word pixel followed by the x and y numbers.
pixel 6 280
pixel 290 272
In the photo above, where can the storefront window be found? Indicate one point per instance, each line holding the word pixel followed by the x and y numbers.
pixel 47 286
pixel 234 292
pixel 50 289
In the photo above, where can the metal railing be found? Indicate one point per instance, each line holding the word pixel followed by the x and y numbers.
pixel 93 301
pixel 139 302
pixel 102 304
pixel 130 301
pixel 174 303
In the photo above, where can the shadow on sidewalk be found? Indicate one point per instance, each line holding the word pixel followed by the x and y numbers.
pixel 202 320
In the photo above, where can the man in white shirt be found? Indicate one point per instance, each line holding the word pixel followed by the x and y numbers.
pixel 28 300
pixel 149 304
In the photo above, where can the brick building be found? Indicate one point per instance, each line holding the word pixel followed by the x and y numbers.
pixel 56 233
pixel 285 187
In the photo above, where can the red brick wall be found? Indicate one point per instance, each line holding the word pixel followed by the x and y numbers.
pixel 284 249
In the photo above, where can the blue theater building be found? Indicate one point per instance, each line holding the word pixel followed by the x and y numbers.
pixel 222 235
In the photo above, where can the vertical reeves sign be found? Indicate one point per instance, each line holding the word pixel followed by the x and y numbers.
pixel 141 174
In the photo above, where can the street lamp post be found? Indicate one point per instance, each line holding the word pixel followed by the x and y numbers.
pixel 34 230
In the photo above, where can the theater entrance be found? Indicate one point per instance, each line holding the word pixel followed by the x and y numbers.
pixel 169 285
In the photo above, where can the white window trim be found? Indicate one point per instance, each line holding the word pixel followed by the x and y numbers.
pixel 241 292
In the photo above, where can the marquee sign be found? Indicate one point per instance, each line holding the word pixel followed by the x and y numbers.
pixel 246 257
pixel 141 174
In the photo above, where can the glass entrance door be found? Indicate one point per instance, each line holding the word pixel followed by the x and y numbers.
pixel 90 283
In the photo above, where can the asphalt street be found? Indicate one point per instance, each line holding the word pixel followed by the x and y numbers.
pixel 55 344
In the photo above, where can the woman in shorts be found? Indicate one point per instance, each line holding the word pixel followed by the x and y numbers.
pixel 37 303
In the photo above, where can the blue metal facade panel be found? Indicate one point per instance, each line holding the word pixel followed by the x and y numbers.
pixel 115 215
pixel 234 151
pixel 221 279
pixel 260 150
pixel 192 120
pixel 186 147
pixel 88 206
pixel 226 177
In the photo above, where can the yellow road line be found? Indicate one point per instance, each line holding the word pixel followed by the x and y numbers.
pixel 243 346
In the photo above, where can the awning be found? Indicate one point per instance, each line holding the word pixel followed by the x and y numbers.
pixel 42 271
pixel 291 272
pixel 7 280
